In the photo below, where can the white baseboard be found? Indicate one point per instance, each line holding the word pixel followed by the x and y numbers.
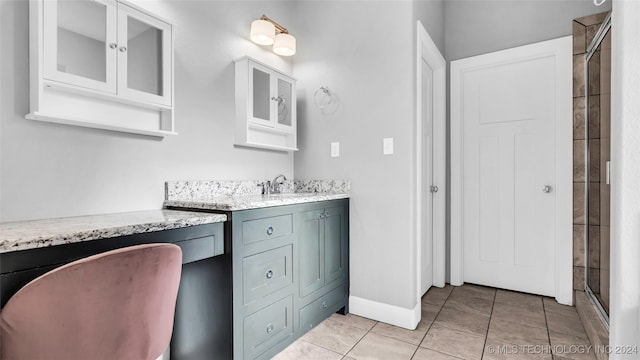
pixel 390 314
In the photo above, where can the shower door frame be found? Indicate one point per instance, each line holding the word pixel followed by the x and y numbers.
pixel 591 49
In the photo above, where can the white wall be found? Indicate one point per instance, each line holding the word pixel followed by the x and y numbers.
pixel 432 15
pixel 625 179
pixel 364 51
pixel 476 27
pixel 50 170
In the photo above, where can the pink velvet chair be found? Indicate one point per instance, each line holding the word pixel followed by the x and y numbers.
pixel 116 305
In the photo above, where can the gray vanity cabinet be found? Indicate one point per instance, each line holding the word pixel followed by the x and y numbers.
pixel 322 262
pixel 290 272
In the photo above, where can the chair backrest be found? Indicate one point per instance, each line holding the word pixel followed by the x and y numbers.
pixel 115 305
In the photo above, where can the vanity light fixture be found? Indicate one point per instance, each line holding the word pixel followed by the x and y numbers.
pixel 266 32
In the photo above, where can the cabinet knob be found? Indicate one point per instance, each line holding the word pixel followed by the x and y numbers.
pixel 547 189
pixel 269 328
pixel 270 230
pixel 113 45
pixel 269 274
pixel 123 49
pixel 324 304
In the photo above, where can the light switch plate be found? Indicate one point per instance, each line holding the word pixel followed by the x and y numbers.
pixel 387 146
pixel 335 149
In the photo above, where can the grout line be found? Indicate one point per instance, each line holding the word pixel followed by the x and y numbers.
pixel 432 321
pixel 359 340
pixel 486 336
pixel 546 323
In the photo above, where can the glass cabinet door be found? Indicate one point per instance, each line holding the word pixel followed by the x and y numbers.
pixel 260 95
pixel 144 47
pixel 80 43
pixel 285 114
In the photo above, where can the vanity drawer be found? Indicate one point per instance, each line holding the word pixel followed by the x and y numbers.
pixel 320 309
pixel 266 228
pixel 267 327
pixel 267 272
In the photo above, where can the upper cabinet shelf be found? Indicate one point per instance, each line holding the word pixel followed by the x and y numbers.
pixel 103 64
pixel 265 107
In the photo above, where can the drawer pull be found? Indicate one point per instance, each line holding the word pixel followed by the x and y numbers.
pixel 324 304
pixel 269 274
pixel 270 230
pixel 269 328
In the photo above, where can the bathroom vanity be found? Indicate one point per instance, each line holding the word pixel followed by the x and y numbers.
pixel 290 265
pixel 258 272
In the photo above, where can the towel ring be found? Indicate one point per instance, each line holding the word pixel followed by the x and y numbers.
pixel 323 97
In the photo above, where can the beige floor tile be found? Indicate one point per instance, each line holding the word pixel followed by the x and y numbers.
pixel 411 336
pixel 522 315
pixel 355 320
pixel 471 290
pixel 454 342
pixel 571 347
pixel 566 323
pixel 517 334
pixel 467 322
pixel 551 305
pixel 472 305
pixel 304 350
pixel 534 302
pixel 378 347
pixel 427 354
pixel 348 358
pixel 497 350
pixel 334 335
pixel 430 311
pixel 437 296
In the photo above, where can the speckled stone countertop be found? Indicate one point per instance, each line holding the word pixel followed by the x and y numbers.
pixel 246 202
pixel 232 195
pixel 22 235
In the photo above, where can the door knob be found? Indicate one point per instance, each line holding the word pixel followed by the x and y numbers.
pixel 434 189
pixel 547 189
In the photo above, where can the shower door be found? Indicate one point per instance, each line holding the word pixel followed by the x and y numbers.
pixel 598 125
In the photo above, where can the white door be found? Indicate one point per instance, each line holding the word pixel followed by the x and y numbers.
pixel 510 106
pixel 427 176
pixel 430 164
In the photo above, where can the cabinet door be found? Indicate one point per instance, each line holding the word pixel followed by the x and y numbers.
pixel 310 254
pixel 145 61
pixel 260 90
pixel 285 104
pixel 79 43
pixel 335 236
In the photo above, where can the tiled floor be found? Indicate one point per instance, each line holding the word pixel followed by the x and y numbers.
pixel 468 322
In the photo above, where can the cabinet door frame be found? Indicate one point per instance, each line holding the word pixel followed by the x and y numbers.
pixel 336 211
pixel 275 79
pixel 272 109
pixel 166 98
pixel 313 215
pixel 50 49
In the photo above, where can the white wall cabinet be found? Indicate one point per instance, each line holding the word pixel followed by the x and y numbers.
pixel 103 64
pixel 265 107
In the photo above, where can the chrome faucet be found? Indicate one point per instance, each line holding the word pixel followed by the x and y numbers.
pixel 275 183
pixel 266 187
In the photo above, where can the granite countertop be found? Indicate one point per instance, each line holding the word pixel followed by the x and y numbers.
pixel 22 235
pixel 246 202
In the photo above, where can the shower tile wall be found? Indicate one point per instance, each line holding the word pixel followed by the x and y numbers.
pixel 584 30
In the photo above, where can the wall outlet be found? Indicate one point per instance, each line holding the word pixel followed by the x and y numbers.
pixel 335 149
pixel 387 146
